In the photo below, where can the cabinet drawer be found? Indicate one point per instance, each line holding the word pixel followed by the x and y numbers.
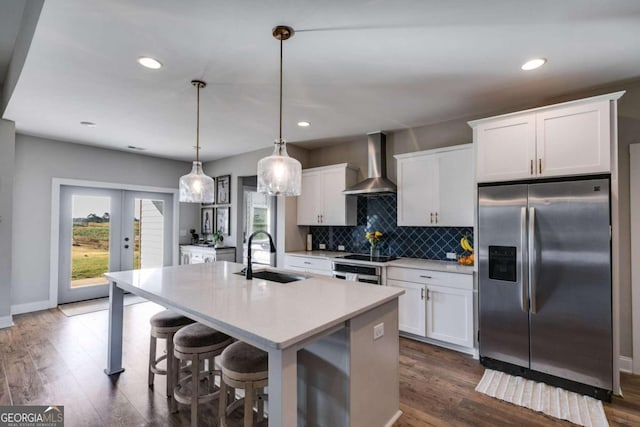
pixel 430 277
pixel 308 263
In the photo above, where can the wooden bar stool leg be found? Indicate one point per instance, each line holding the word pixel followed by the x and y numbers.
pixel 170 365
pixel 195 393
pixel 152 358
pixel 222 404
pixel 248 404
pixel 260 403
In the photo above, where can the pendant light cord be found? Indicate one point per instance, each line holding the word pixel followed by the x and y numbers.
pixel 280 139
pixel 198 124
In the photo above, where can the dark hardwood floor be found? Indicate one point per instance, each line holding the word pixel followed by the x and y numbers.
pixel 48 358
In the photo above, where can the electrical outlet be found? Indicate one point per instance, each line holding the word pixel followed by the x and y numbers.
pixel 378 331
pixel 322 246
pixel 341 247
pixel 452 255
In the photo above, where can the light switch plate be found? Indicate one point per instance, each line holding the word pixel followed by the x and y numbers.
pixel 341 247
pixel 452 255
pixel 322 246
pixel 378 331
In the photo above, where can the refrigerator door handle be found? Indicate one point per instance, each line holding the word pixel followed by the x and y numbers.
pixel 524 302
pixel 533 260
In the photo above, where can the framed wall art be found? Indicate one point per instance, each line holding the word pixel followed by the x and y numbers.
pixel 206 218
pixel 222 220
pixel 223 189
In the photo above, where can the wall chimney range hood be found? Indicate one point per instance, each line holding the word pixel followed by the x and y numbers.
pixel 377 183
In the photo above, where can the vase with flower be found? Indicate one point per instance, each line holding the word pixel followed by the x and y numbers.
pixel 374 238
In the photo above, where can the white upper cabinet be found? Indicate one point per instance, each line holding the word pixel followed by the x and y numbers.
pixel 321 201
pixel 574 138
pixel 506 148
pixel 435 187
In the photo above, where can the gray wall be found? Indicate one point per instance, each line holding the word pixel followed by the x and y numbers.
pixel 289 236
pixel 7 147
pixel 39 160
pixel 457 131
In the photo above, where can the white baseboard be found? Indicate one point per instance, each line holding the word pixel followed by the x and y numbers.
pixel 30 306
pixel 6 322
pixel 626 364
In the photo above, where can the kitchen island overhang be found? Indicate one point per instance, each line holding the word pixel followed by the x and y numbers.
pixel 324 363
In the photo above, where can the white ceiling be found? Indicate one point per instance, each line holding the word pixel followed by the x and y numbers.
pixel 353 66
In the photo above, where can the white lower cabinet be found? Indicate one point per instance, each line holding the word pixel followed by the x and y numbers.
pixel 308 264
pixel 436 305
pixel 411 307
pixel 450 315
pixel 197 254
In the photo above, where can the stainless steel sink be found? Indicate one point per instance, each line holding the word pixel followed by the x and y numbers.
pixel 275 276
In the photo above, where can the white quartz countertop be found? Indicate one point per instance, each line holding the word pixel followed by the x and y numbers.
pixel 418 263
pixel 275 314
pixel 319 254
pixel 433 265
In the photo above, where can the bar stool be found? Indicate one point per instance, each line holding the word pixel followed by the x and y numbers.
pixel 247 367
pixel 164 325
pixel 198 343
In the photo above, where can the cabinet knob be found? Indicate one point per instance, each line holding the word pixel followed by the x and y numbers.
pixel 126 239
pixel 126 246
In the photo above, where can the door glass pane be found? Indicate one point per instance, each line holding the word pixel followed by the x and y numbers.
pixel 257 216
pixel 148 229
pixel 90 240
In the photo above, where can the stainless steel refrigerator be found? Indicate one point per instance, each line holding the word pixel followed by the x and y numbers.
pixel 544 253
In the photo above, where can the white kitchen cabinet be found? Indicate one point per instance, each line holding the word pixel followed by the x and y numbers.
pixel 450 315
pixel 308 264
pixel 321 201
pixel 435 187
pixel 411 307
pixel 574 138
pixel 436 305
pixel 191 254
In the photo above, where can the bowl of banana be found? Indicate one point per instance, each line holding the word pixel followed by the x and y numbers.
pixel 467 258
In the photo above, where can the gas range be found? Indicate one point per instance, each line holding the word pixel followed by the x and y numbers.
pixel 360 268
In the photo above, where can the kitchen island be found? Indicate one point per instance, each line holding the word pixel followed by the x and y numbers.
pixel 325 366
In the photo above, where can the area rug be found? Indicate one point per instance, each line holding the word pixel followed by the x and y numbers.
pixel 92 305
pixel 553 401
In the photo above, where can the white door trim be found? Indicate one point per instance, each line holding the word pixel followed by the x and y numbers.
pixel 56 183
pixel 634 195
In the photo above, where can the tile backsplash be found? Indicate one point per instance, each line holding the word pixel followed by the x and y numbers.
pixel 380 213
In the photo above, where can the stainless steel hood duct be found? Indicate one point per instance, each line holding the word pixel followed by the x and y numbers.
pixel 377 183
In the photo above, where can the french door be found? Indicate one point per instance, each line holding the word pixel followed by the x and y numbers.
pixel 105 230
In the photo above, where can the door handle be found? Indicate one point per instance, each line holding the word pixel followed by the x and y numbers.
pixel 431 220
pixel 533 260
pixel 318 219
pixel 436 217
pixel 422 293
pixel 539 165
pixel 427 294
pixel 531 166
pixel 321 218
pixel 524 303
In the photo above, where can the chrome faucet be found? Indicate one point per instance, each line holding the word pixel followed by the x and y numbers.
pixel 249 271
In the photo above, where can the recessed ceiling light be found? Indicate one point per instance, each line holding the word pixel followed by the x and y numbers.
pixel 88 124
pixel 533 64
pixel 147 61
pixel 304 124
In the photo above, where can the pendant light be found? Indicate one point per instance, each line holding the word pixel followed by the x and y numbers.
pixel 279 174
pixel 196 187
